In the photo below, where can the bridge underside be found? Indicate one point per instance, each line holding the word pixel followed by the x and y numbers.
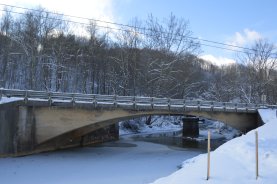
pixel 34 129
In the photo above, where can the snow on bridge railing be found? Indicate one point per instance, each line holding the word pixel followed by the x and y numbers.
pixel 130 100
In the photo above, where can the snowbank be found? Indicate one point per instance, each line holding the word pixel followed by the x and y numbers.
pixel 158 124
pixel 161 124
pixel 7 100
pixel 234 162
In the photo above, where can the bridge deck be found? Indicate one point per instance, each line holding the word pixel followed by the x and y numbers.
pixel 128 102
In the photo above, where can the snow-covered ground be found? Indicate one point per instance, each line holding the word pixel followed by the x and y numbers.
pixel 234 162
pixel 124 162
pixel 218 129
pixel 7 100
pixel 158 124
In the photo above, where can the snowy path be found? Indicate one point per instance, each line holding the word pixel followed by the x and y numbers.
pixel 234 162
pixel 134 163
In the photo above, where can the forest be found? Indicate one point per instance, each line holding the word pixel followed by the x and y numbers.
pixel 40 50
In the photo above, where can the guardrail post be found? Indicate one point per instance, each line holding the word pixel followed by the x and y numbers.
pixel 1 93
pixel 198 105
pixel 26 97
pixel 73 100
pixel 115 102
pixel 134 103
pixel 236 107
pixel 152 103
pixel 168 103
pixel 212 107
pixel 50 99
pixel 95 101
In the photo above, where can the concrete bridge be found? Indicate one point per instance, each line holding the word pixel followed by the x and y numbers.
pixel 35 121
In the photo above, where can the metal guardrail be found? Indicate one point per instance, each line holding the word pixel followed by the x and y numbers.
pixel 133 101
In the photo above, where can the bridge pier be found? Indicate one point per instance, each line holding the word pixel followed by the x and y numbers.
pixel 190 127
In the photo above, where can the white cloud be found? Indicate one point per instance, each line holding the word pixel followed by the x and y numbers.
pixel 245 38
pixel 102 10
pixel 219 61
pixel 96 9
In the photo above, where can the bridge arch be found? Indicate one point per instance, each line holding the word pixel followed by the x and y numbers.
pixel 63 125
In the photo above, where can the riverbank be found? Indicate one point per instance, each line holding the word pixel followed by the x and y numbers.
pixel 165 124
pixel 234 162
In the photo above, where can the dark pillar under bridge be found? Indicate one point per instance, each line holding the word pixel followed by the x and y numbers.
pixel 190 127
pixel 17 129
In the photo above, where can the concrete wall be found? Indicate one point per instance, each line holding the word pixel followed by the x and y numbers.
pixel 18 132
pixel 76 139
pixel 25 129
pixel 8 128
pixel 109 133
pixel 17 129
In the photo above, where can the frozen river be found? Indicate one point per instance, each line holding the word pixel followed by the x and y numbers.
pixel 127 161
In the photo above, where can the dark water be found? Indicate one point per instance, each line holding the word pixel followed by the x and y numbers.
pixel 175 140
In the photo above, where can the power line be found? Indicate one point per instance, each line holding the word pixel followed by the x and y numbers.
pixel 71 16
pixel 224 48
pixel 119 29
pixel 85 24
pixel 119 24
pixel 71 21
pixel 126 25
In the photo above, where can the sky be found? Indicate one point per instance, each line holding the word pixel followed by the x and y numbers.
pixel 236 22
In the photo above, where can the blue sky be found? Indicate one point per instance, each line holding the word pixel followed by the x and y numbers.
pixel 238 22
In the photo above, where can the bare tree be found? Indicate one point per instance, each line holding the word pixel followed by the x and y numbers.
pixel 6 45
pixel 127 59
pixel 172 39
pixel 261 68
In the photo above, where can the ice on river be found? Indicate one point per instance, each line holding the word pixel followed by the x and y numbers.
pixel 131 162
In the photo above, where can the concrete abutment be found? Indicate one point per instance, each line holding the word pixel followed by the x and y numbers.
pixel 18 133
pixel 17 129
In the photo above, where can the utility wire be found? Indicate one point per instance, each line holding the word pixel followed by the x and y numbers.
pixel 126 25
pixel 224 48
pixel 129 26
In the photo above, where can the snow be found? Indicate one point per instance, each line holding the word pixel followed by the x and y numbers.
pixel 141 162
pixel 234 162
pixel 124 162
pixel 161 124
pixel 218 130
pixel 8 100
pixel 158 124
